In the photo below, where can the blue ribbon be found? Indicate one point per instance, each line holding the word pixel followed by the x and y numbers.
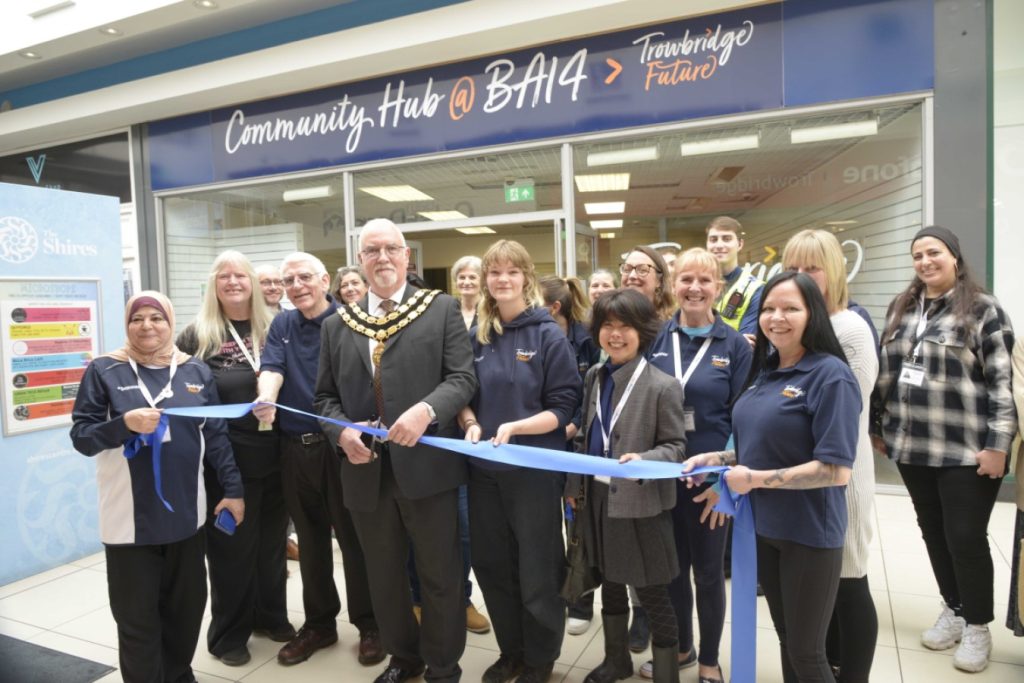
pixel 153 440
pixel 744 549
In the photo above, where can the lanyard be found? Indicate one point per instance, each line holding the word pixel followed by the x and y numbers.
pixel 922 323
pixel 607 433
pixel 254 362
pixel 165 392
pixel 684 378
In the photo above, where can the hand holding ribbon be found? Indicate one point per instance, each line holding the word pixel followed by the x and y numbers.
pixel 155 422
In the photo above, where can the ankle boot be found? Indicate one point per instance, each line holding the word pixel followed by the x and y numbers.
pixel 666 663
pixel 617 663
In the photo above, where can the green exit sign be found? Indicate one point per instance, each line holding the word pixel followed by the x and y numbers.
pixel 520 192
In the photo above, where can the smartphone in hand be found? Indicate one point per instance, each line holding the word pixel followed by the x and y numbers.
pixel 225 521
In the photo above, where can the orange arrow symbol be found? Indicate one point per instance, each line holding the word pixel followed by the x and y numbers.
pixel 616 70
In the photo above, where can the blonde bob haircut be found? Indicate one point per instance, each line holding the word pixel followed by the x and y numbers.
pixel 697 258
pixel 211 324
pixel 820 248
pixel 515 254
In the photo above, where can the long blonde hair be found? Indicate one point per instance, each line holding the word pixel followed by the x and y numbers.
pixel 512 252
pixel 820 248
pixel 210 322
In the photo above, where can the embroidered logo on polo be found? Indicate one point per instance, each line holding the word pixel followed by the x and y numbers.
pixel 133 387
pixel 385 326
pixel 194 388
pixel 793 392
pixel 659 354
pixel 525 355
pixel 719 361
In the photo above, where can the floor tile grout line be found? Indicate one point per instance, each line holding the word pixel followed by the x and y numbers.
pixel 38 585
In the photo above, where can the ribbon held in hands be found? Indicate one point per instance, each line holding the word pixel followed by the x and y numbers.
pixel 153 440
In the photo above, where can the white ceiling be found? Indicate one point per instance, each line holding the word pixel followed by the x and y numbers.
pixel 69 38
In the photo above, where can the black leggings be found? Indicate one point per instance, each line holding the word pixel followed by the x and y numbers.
pixel 700 549
pixel 953 506
pixel 654 599
pixel 853 633
pixel 800 584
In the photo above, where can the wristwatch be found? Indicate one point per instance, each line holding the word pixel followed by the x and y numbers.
pixel 430 411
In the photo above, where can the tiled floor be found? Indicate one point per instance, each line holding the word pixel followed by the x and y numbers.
pixel 66 609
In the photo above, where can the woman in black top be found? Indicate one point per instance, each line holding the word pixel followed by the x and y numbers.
pixel 247 570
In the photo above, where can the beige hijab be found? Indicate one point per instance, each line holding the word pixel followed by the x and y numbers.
pixel 162 356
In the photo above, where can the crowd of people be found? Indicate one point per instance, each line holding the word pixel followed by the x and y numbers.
pixel 690 359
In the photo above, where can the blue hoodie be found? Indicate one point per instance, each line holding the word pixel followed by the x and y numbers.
pixel 529 368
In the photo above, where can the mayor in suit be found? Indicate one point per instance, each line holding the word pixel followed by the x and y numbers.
pixel 402 356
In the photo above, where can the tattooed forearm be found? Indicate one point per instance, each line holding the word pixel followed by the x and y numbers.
pixel 812 475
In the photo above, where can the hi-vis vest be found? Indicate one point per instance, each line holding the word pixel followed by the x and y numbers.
pixel 733 304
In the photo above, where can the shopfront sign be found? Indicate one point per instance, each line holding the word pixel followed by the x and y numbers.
pixel 694 68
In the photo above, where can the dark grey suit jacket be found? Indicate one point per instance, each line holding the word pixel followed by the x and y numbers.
pixel 430 360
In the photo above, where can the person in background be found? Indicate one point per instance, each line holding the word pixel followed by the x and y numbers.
pixel 529 388
pixel 565 300
pixel 311 471
pixel 156 576
pixel 710 360
pixel 349 285
pixel 1015 609
pixel 247 569
pixel 853 632
pixel 740 298
pixel 795 430
pixel 631 411
pixel 467 277
pixel 644 270
pixel 271 285
pixel 466 280
pixel 601 282
pixel 401 358
pixel 943 409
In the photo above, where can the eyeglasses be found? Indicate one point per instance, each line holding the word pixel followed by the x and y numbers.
pixel 642 269
pixel 392 250
pixel 276 283
pixel 304 278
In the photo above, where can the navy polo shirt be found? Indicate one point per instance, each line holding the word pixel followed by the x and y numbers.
pixel 714 384
pixel 293 349
pixel 789 417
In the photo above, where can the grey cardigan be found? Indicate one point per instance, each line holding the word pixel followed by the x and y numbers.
pixel 652 424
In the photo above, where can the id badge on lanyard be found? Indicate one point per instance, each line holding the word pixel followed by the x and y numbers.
pixel 912 373
pixel 165 393
pixel 689 414
pixel 607 433
pixel 253 360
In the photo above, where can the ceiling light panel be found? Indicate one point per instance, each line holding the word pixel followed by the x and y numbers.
pixel 717 146
pixel 306 193
pixel 608 224
pixel 602 182
pixel 597 208
pixel 482 230
pixel 838 131
pixel 442 215
pixel 622 156
pixel 397 193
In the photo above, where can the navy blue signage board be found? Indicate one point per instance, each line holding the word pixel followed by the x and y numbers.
pixel 694 68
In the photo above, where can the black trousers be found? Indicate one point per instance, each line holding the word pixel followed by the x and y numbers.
pixel 702 550
pixel 800 584
pixel 431 524
pixel 515 524
pixel 247 569
pixel 853 633
pixel 953 506
pixel 311 479
pixel 157 596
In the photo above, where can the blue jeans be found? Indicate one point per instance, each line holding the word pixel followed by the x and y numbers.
pixel 414 579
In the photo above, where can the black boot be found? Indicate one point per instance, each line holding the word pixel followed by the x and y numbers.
pixel 639 631
pixel 666 663
pixel 617 663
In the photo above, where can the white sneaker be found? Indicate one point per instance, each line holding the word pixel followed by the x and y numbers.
pixel 577 627
pixel 974 650
pixel 946 632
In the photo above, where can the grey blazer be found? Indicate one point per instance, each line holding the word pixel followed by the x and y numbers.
pixel 652 424
pixel 430 360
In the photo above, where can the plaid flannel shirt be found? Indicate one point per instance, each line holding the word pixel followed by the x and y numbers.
pixel 965 403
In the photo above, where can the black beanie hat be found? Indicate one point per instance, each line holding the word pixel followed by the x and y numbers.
pixel 942 234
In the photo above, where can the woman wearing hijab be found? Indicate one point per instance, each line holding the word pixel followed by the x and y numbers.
pixel 152 499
